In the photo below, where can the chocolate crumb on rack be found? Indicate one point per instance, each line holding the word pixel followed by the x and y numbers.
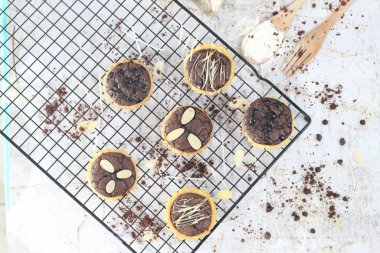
pixel 198 168
pixel 141 222
pixel 58 108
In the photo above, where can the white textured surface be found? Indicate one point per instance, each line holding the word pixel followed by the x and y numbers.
pixel 44 219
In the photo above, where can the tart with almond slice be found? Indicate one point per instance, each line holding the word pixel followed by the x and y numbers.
pixel 191 213
pixel 112 174
pixel 187 130
pixel 209 69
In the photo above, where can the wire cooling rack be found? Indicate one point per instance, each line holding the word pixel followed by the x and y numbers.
pixel 56 51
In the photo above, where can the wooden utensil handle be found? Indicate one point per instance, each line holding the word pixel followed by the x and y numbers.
pixel 338 12
pixel 283 19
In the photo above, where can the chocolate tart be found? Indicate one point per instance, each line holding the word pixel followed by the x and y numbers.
pixel 209 69
pixel 187 130
pixel 190 214
pixel 128 84
pixel 268 123
pixel 112 174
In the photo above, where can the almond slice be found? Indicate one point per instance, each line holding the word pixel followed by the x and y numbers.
pixel 175 134
pixel 87 126
pixel 194 141
pixel 188 116
pixel 124 174
pixel 107 166
pixel 110 187
pixel 224 194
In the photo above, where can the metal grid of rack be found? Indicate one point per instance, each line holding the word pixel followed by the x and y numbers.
pixel 71 44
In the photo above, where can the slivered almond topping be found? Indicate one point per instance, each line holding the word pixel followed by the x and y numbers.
pixel 194 141
pixel 175 134
pixel 188 116
pixel 107 166
pixel 224 194
pixel 124 174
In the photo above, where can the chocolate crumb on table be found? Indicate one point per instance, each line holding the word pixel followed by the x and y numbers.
pixel 269 208
pixel 342 141
pixel 267 235
pixel 319 137
pixel 295 216
pixel 325 122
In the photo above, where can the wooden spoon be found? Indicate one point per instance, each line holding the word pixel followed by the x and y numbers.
pixel 284 18
pixel 309 46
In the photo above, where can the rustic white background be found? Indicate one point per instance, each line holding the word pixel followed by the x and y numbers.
pixel 44 219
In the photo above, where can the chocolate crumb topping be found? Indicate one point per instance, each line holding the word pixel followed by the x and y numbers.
pixel 191 214
pixel 101 177
pixel 208 69
pixel 128 83
pixel 268 121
